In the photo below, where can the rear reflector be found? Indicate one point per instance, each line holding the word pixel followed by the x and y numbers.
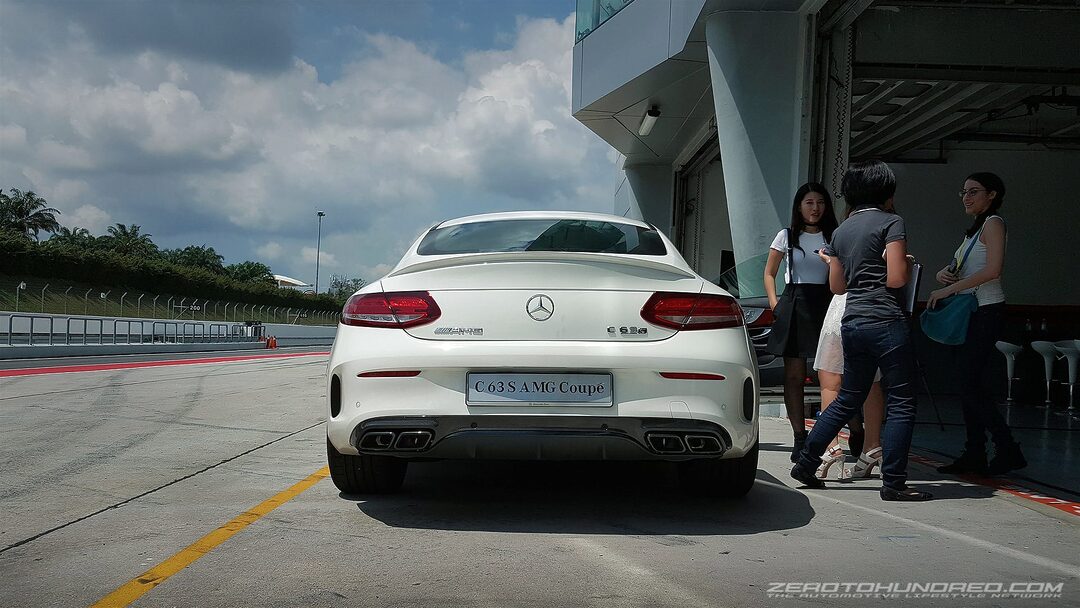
pixel 685 311
pixel 691 376
pixel 397 373
pixel 393 309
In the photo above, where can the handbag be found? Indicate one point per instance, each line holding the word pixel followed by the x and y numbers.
pixel 948 321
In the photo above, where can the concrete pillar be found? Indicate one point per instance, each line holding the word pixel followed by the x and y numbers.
pixel 757 61
pixel 648 190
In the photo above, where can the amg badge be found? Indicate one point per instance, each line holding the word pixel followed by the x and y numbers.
pixel 459 331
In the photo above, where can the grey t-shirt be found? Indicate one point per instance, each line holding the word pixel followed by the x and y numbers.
pixel 859 243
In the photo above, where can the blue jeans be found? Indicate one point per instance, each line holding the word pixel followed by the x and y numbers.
pixel 868 347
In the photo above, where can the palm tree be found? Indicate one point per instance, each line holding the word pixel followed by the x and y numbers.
pixel 25 213
pixel 72 237
pixel 130 240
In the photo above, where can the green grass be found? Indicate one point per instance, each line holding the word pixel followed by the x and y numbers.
pixel 77 299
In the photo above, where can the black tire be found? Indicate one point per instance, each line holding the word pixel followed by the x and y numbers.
pixel 365 474
pixel 728 478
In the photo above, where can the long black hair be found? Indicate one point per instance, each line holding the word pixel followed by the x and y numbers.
pixel 827 223
pixel 992 183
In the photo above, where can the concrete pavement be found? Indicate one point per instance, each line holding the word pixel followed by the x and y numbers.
pixel 104 475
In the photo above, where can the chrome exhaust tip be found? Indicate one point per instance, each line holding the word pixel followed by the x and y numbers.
pixel 665 443
pixel 703 444
pixel 377 440
pixel 413 440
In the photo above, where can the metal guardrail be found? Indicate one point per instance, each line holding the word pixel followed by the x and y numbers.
pixel 78 330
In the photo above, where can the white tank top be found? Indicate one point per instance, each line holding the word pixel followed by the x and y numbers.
pixel 989 292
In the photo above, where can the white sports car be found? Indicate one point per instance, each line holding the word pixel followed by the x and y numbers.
pixel 542 335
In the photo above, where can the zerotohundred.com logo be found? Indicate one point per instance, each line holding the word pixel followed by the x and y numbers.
pixel 914 591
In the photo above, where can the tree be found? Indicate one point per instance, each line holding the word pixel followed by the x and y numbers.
pixel 250 272
pixel 196 256
pixel 341 286
pixel 26 214
pixel 129 240
pixel 73 237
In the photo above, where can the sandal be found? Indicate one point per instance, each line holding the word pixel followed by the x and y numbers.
pixel 864 467
pixel 834 455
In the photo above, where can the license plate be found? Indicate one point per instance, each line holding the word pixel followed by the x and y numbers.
pixel 538 389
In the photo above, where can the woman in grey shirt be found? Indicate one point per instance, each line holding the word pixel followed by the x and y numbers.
pixel 869 263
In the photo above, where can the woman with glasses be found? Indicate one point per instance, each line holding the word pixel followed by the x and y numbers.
pixel 980 273
pixel 800 311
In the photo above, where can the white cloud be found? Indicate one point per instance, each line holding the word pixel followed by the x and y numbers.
pixel 326 259
pixel 90 217
pixel 398 141
pixel 12 137
pixel 270 251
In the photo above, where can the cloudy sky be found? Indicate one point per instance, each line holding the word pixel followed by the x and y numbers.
pixel 229 123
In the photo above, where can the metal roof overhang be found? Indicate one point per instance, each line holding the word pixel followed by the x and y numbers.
pixel 925 72
pixel 679 83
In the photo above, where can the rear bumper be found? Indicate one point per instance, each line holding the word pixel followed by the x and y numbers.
pixel 541 438
pixel 640 393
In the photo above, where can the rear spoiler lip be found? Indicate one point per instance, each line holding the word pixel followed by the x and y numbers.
pixel 541 256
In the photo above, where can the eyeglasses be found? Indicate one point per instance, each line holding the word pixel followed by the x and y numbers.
pixel 971 191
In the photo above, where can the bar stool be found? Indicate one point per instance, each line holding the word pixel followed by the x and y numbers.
pixel 1010 351
pixel 1049 353
pixel 1069 350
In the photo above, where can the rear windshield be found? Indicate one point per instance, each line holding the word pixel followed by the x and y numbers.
pixel 583 236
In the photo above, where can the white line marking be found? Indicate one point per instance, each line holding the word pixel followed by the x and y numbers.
pixel 1038 560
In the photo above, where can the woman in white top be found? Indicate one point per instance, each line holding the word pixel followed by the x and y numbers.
pixel 982 195
pixel 800 311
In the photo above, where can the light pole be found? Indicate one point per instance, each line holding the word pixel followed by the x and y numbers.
pixel 318 249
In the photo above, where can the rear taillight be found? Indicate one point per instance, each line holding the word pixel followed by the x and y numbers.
pixel 758 317
pixel 395 309
pixel 692 311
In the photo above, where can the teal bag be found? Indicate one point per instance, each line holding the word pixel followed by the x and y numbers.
pixel 948 322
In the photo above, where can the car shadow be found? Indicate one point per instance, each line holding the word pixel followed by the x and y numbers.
pixel 577 498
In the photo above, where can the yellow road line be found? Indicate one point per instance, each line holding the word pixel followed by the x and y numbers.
pixel 136 587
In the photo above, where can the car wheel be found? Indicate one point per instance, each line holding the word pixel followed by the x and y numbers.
pixel 365 474
pixel 727 478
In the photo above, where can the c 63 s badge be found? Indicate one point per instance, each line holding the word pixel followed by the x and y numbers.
pixel 627 331
pixel 459 331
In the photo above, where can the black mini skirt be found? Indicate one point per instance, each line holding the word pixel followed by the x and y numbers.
pixel 799 316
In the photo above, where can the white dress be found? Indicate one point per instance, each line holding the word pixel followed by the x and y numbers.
pixel 830 347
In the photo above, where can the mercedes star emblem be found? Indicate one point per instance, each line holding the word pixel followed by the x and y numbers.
pixel 540 307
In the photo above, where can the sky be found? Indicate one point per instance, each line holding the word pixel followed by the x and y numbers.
pixel 230 123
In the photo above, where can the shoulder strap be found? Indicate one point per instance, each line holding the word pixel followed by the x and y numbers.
pixel 790 258
pixel 970 246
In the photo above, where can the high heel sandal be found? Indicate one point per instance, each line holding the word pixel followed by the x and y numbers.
pixel 834 455
pixel 864 467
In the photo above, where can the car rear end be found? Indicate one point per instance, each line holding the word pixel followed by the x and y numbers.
pixel 543 355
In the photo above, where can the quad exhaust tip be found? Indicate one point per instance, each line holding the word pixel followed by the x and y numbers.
pixel 703 444
pixel 406 441
pixel 412 440
pixel 672 443
pixel 666 443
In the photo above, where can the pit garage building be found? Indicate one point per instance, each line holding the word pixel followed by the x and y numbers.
pixel 751 98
